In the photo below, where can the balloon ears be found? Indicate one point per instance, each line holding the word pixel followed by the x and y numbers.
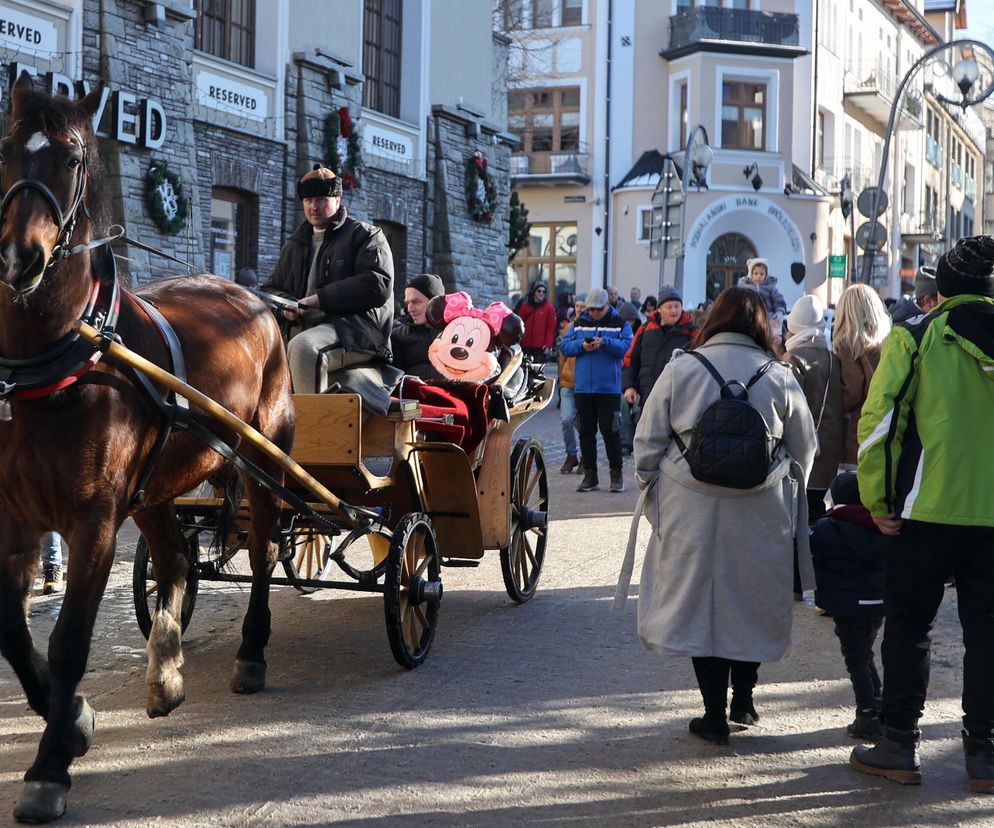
pixel 512 330
pixel 435 313
pixel 797 272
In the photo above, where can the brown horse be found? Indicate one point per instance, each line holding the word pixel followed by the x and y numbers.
pixel 77 433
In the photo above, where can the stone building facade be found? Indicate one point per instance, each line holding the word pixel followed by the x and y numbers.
pixel 237 129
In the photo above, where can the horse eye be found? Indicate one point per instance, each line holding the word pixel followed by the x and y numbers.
pixel 73 163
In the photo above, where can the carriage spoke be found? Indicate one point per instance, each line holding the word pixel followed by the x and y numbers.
pixel 151 590
pixel 531 487
pixel 421 617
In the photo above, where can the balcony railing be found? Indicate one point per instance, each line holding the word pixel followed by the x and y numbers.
pixel 956 175
pixel 970 190
pixel 933 152
pixel 702 23
pixel 570 166
pixel 923 229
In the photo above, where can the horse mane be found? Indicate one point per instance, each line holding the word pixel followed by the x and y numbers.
pixel 37 111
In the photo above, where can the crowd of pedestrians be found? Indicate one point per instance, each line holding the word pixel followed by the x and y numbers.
pixel 881 421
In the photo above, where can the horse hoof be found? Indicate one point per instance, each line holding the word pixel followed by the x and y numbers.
pixel 164 697
pixel 86 721
pixel 248 677
pixel 41 802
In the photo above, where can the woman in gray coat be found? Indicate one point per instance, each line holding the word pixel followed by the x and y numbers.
pixel 717 581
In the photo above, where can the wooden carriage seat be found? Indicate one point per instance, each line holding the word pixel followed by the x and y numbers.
pixel 465 402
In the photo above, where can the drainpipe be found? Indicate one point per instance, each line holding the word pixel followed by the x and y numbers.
pixel 607 147
pixel 814 96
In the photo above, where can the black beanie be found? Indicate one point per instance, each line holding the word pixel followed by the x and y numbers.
pixel 967 268
pixel 845 489
pixel 427 283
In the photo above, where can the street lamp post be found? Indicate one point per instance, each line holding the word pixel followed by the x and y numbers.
pixel 965 74
pixel 697 157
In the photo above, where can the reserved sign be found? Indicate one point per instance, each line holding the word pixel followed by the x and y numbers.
pixel 229 95
pixel 25 31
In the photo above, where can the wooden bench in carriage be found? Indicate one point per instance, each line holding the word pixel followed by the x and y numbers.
pixel 442 504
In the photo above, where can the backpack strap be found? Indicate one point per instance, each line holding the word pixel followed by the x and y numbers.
pixel 756 377
pixel 711 369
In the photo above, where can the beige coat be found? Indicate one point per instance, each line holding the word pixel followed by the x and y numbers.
pixel 717 579
pixel 856 376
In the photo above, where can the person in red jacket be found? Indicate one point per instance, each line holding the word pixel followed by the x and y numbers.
pixel 540 323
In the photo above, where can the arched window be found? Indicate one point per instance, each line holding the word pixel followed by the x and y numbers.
pixel 727 262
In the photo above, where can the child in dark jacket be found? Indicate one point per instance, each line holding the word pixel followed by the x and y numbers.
pixel 847 551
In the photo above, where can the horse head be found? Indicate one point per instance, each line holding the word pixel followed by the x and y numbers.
pixel 44 168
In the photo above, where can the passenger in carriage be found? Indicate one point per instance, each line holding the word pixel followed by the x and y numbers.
pixel 412 334
pixel 341 272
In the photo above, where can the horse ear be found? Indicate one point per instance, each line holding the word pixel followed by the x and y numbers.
pixel 91 102
pixel 24 86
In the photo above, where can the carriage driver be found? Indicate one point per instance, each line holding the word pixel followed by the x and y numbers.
pixel 341 269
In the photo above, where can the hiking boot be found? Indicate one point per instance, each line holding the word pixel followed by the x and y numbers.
pixel 979 755
pixel 589 482
pixel 617 481
pixel 894 756
pixel 53 580
pixel 711 730
pixel 569 464
pixel 866 725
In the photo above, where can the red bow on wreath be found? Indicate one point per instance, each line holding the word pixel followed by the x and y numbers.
pixel 345 122
pixel 481 161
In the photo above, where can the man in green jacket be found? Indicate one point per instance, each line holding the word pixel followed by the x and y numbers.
pixel 926 473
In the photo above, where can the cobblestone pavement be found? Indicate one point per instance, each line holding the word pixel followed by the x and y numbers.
pixel 548 712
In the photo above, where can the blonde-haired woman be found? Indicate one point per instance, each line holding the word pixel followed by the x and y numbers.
pixel 861 324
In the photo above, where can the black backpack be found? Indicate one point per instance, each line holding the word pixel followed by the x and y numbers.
pixel 731 444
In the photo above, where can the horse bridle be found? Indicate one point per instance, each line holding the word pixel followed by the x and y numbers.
pixel 65 220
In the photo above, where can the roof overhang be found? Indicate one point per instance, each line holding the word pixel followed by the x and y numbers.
pixel 735 47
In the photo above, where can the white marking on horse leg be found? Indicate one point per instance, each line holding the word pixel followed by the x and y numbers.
pixel 36 142
pixel 165 654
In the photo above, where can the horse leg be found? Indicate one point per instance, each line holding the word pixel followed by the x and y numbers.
pixel 70 720
pixel 165 654
pixel 249 673
pixel 18 564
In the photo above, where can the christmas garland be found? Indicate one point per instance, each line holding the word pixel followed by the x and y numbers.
pixel 341 140
pixel 164 198
pixel 481 192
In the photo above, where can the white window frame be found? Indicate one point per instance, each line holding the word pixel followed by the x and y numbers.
pixel 640 211
pixel 743 74
pixel 677 79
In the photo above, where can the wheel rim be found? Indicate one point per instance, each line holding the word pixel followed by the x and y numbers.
pixel 529 516
pixel 417 595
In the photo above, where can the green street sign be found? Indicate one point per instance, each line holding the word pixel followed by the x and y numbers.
pixel 836 267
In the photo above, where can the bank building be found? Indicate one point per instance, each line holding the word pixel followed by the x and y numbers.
pixel 670 142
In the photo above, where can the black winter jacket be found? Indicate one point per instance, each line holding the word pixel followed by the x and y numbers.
pixel 651 349
pixel 409 343
pixel 848 558
pixel 355 280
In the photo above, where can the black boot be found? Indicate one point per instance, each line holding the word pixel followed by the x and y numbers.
pixel 866 725
pixel 570 463
pixel 589 482
pixel 894 756
pixel 617 481
pixel 744 675
pixel 712 728
pixel 979 755
pixel 742 712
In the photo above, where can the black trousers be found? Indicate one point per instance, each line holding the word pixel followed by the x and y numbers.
pixel 857 637
pixel 918 563
pixel 599 411
pixel 712 677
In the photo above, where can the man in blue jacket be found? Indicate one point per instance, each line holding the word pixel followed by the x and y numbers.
pixel 599 340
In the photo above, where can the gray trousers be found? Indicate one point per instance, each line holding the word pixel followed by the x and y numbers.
pixel 315 353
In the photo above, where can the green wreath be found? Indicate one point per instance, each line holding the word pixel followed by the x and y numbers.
pixel 481 192
pixel 164 198
pixel 340 133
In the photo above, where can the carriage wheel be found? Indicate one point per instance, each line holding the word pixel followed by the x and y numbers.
pixel 521 560
pixel 145 588
pixel 412 589
pixel 311 558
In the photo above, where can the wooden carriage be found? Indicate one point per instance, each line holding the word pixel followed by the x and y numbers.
pixel 439 504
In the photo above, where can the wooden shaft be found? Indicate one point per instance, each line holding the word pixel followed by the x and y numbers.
pixel 217 411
